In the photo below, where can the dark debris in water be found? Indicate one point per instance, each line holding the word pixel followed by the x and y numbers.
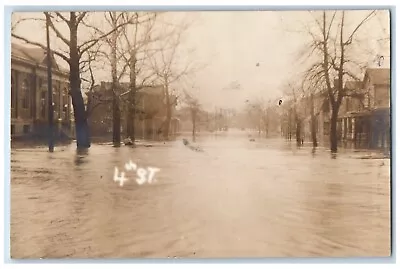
pixel 194 148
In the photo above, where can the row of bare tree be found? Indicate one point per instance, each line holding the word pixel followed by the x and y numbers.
pixel 332 57
pixel 262 115
pixel 140 46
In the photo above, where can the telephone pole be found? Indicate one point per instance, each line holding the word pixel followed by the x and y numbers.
pixel 49 87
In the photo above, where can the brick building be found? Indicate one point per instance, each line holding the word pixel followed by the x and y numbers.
pixel 150 111
pixel 29 105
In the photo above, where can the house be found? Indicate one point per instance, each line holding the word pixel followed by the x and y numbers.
pixel 352 105
pixel 29 93
pixel 150 110
pixel 376 83
pixel 365 115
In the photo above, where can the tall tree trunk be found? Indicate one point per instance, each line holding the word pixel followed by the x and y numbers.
pixel 132 98
pixel 81 124
pixel 333 131
pixel 298 131
pixel 115 107
pixel 313 123
pixel 194 126
pixel 266 129
pixel 168 110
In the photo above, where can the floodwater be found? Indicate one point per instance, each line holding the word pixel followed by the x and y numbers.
pixel 235 199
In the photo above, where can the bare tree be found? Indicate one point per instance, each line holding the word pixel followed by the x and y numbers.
pixel 331 43
pixel 134 53
pixel 194 107
pixel 74 55
pixel 298 107
pixel 128 59
pixel 168 69
pixel 261 111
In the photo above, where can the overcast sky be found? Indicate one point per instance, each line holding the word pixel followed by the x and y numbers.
pixel 254 52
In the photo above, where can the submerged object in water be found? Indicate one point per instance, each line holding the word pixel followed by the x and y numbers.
pixel 187 143
pixel 128 142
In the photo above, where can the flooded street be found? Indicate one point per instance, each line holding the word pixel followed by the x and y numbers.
pixel 236 199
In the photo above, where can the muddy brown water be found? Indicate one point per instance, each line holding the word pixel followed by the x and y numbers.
pixel 236 199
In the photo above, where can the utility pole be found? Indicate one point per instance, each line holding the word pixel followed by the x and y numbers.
pixel 49 87
pixel 116 114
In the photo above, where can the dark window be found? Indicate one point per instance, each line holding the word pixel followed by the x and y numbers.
pixel 12 129
pixel 56 102
pixel 65 103
pixel 26 129
pixel 350 126
pixel 43 101
pixel 25 94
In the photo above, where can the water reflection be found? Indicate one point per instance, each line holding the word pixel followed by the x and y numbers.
pixel 313 151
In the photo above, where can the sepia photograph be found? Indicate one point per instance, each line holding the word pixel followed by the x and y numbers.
pixel 200 134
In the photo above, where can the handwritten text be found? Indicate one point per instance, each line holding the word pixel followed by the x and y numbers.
pixel 143 175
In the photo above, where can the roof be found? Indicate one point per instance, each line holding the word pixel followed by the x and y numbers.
pixel 33 55
pixel 378 75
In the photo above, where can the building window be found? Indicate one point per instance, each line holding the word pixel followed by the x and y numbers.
pixel 12 129
pixel 56 102
pixel 350 125
pixel 25 94
pixel 43 101
pixel 65 104
pixel 26 129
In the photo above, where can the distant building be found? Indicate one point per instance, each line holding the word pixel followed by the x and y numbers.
pixel 150 111
pixel 29 105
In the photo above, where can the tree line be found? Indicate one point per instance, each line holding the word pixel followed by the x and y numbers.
pixel 332 56
pixel 141 46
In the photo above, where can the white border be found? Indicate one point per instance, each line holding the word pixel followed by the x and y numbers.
pixel 186 3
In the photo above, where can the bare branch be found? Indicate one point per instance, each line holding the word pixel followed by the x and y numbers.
pixel 80 17
pixel 62 17
pixel 58 33
pixel 369 16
